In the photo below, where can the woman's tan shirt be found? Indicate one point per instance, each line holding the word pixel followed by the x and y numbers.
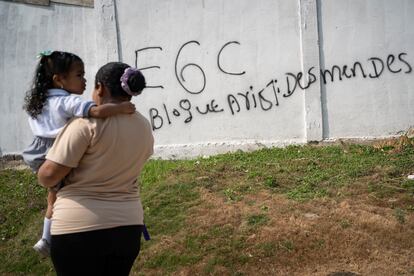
pixel 107 156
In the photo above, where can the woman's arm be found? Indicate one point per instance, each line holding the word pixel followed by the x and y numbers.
pixel 67 151
pixel 110 109
pixel 51 173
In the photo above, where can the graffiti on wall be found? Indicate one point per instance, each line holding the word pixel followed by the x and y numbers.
pixel 267 97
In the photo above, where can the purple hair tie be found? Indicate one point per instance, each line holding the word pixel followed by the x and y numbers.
pixel 124 81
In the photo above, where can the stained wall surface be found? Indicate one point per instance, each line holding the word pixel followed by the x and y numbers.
pixel 25 31
pixel 226 75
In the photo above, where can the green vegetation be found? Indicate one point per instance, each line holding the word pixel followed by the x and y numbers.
pixel 22 202
pixel 184 205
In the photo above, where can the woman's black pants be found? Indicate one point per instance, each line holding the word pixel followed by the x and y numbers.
pixel 100 252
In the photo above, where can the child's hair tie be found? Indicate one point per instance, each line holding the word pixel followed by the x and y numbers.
pixel 44 54
pixel 124 80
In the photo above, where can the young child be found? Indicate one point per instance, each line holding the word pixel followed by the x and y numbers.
pixel 50 105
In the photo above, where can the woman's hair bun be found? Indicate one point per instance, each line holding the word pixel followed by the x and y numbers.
pixel 136 82
pixel 121 79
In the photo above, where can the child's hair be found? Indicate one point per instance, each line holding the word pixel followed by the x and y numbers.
pixel 49 64
pixel 110 75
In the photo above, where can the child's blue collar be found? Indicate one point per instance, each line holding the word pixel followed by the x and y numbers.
pixel 57 92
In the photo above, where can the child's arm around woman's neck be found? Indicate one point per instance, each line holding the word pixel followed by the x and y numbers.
pixel 111 109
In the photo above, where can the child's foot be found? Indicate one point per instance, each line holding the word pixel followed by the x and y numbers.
pixel 42 247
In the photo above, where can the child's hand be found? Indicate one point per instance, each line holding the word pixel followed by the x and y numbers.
pixel 127 107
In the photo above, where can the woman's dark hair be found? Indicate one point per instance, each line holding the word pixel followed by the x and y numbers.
pixel 110 75
pixel 55 63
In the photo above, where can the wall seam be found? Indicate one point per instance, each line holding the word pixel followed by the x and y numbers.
pixel 107 24
pixel 309 45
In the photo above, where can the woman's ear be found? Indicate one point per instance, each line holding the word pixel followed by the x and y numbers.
pixel 98 95
pixel 99 89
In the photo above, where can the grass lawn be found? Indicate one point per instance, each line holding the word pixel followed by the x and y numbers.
pixel 299 210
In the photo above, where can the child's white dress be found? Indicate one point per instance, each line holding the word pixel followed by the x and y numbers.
pixel 58 109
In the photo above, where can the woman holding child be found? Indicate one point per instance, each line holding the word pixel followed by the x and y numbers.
pixel 98 216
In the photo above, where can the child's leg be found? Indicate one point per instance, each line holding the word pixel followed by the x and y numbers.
pixel 34 156
pixel 43 245
pixel 51 198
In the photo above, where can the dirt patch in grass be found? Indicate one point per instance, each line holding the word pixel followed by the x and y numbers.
pixel 318 237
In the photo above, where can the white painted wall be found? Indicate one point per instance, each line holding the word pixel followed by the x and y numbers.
pixel 356 31
pixel 265 39
pixel 263 31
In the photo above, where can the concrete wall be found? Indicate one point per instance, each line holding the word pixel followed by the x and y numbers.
pixel 228 75
pixel 378 34
pixel 238 51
